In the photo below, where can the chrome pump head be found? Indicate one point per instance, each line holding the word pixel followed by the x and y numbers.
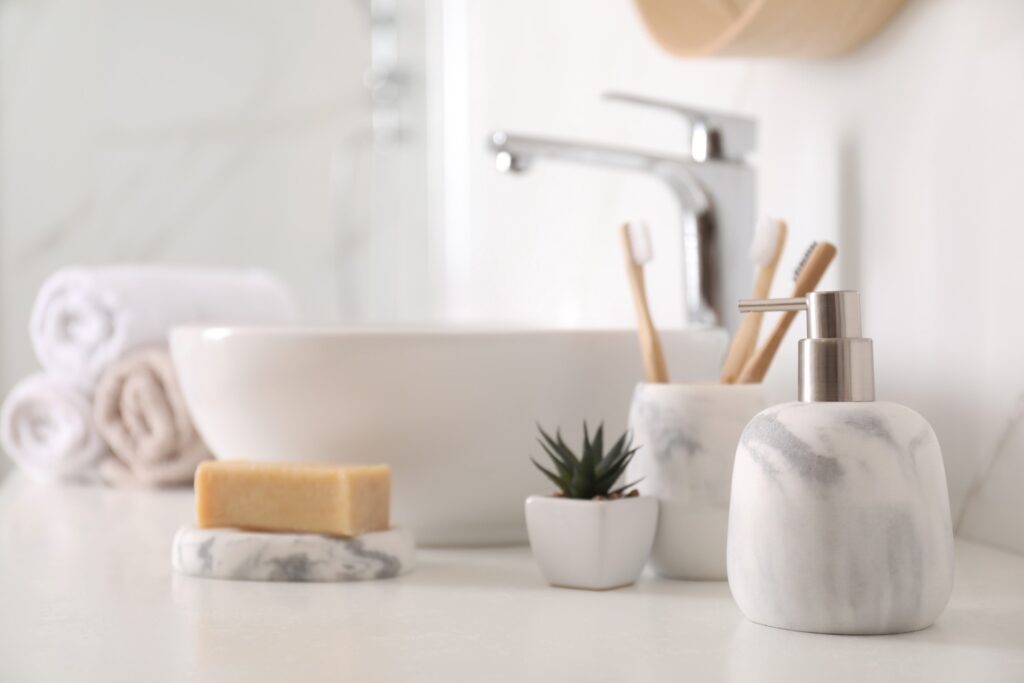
pixel 836 362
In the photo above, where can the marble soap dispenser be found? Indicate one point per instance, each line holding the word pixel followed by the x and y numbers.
pixel 839 520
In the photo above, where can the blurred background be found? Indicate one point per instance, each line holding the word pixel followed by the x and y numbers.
pixel 341 143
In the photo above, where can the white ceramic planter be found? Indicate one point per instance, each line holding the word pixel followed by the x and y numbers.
pixel 687 436
pixel 591 544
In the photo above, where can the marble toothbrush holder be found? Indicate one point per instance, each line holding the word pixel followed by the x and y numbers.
pixel 687 434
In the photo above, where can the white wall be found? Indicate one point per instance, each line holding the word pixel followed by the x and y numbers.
pixel 170 130
pixel 907 153
pixel 208 131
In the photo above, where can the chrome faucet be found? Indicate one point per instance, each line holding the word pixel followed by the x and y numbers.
pixel 714 186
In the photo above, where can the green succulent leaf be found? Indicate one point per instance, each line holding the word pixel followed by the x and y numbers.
pixel 597 445
pixel 565 450
pixel 623 489
pixel 550 475
pixel 609 478
pixel 558 446
pixel 590 472
pixel 614 453
pixel 564 468
pixel 618 457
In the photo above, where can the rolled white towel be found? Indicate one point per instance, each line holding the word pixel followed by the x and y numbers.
pixel 84 319
pixel 47 428
pixel 140 412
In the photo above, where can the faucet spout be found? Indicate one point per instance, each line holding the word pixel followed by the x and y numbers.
pixel 688 180
pixel 517 153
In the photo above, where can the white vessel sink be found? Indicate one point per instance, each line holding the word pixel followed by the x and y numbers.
pixel 454 413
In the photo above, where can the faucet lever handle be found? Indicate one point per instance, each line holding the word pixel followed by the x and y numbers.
pixel 713 135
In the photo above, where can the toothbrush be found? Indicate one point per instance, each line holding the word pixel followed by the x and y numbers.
pixel 765 251
pixel 636 243
pixel 808 273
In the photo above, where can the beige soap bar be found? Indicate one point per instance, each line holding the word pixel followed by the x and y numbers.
pixel 314 498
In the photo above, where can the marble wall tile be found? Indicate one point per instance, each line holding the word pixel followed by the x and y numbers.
pixel 222 132
pixel 169 131
pixel 993 514
pixel 198 132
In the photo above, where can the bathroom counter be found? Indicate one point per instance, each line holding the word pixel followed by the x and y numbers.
pixel 87 594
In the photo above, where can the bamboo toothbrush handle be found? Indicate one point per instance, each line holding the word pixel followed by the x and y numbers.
pixel 742 347
pixel 655 370
pixel 745 341
pixel 757 367
pixel 807 279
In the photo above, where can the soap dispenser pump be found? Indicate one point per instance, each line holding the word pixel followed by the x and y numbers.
pixel 839 520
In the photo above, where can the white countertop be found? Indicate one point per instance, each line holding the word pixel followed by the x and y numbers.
pixel 87 594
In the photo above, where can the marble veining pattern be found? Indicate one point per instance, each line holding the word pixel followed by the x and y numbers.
pixel 259 556
pixel 205 135
pixel 840 520
pixel 770 433
pixel 990 513
pixel 687 436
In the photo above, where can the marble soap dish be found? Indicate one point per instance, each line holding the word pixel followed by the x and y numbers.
pixel 262 556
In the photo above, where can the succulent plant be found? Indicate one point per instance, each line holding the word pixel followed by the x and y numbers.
pixel 593 473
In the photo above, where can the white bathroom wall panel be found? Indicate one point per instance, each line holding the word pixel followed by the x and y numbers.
pixel 908 153
pixel 173 131
pixel 220 132
pixel 179 131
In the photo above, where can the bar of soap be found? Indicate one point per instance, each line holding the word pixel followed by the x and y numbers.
pixel 263 556
pixel 303 498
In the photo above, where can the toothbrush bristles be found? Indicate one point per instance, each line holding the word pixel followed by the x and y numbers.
pixel 765 242
pixel 640 242
pixel 803 261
